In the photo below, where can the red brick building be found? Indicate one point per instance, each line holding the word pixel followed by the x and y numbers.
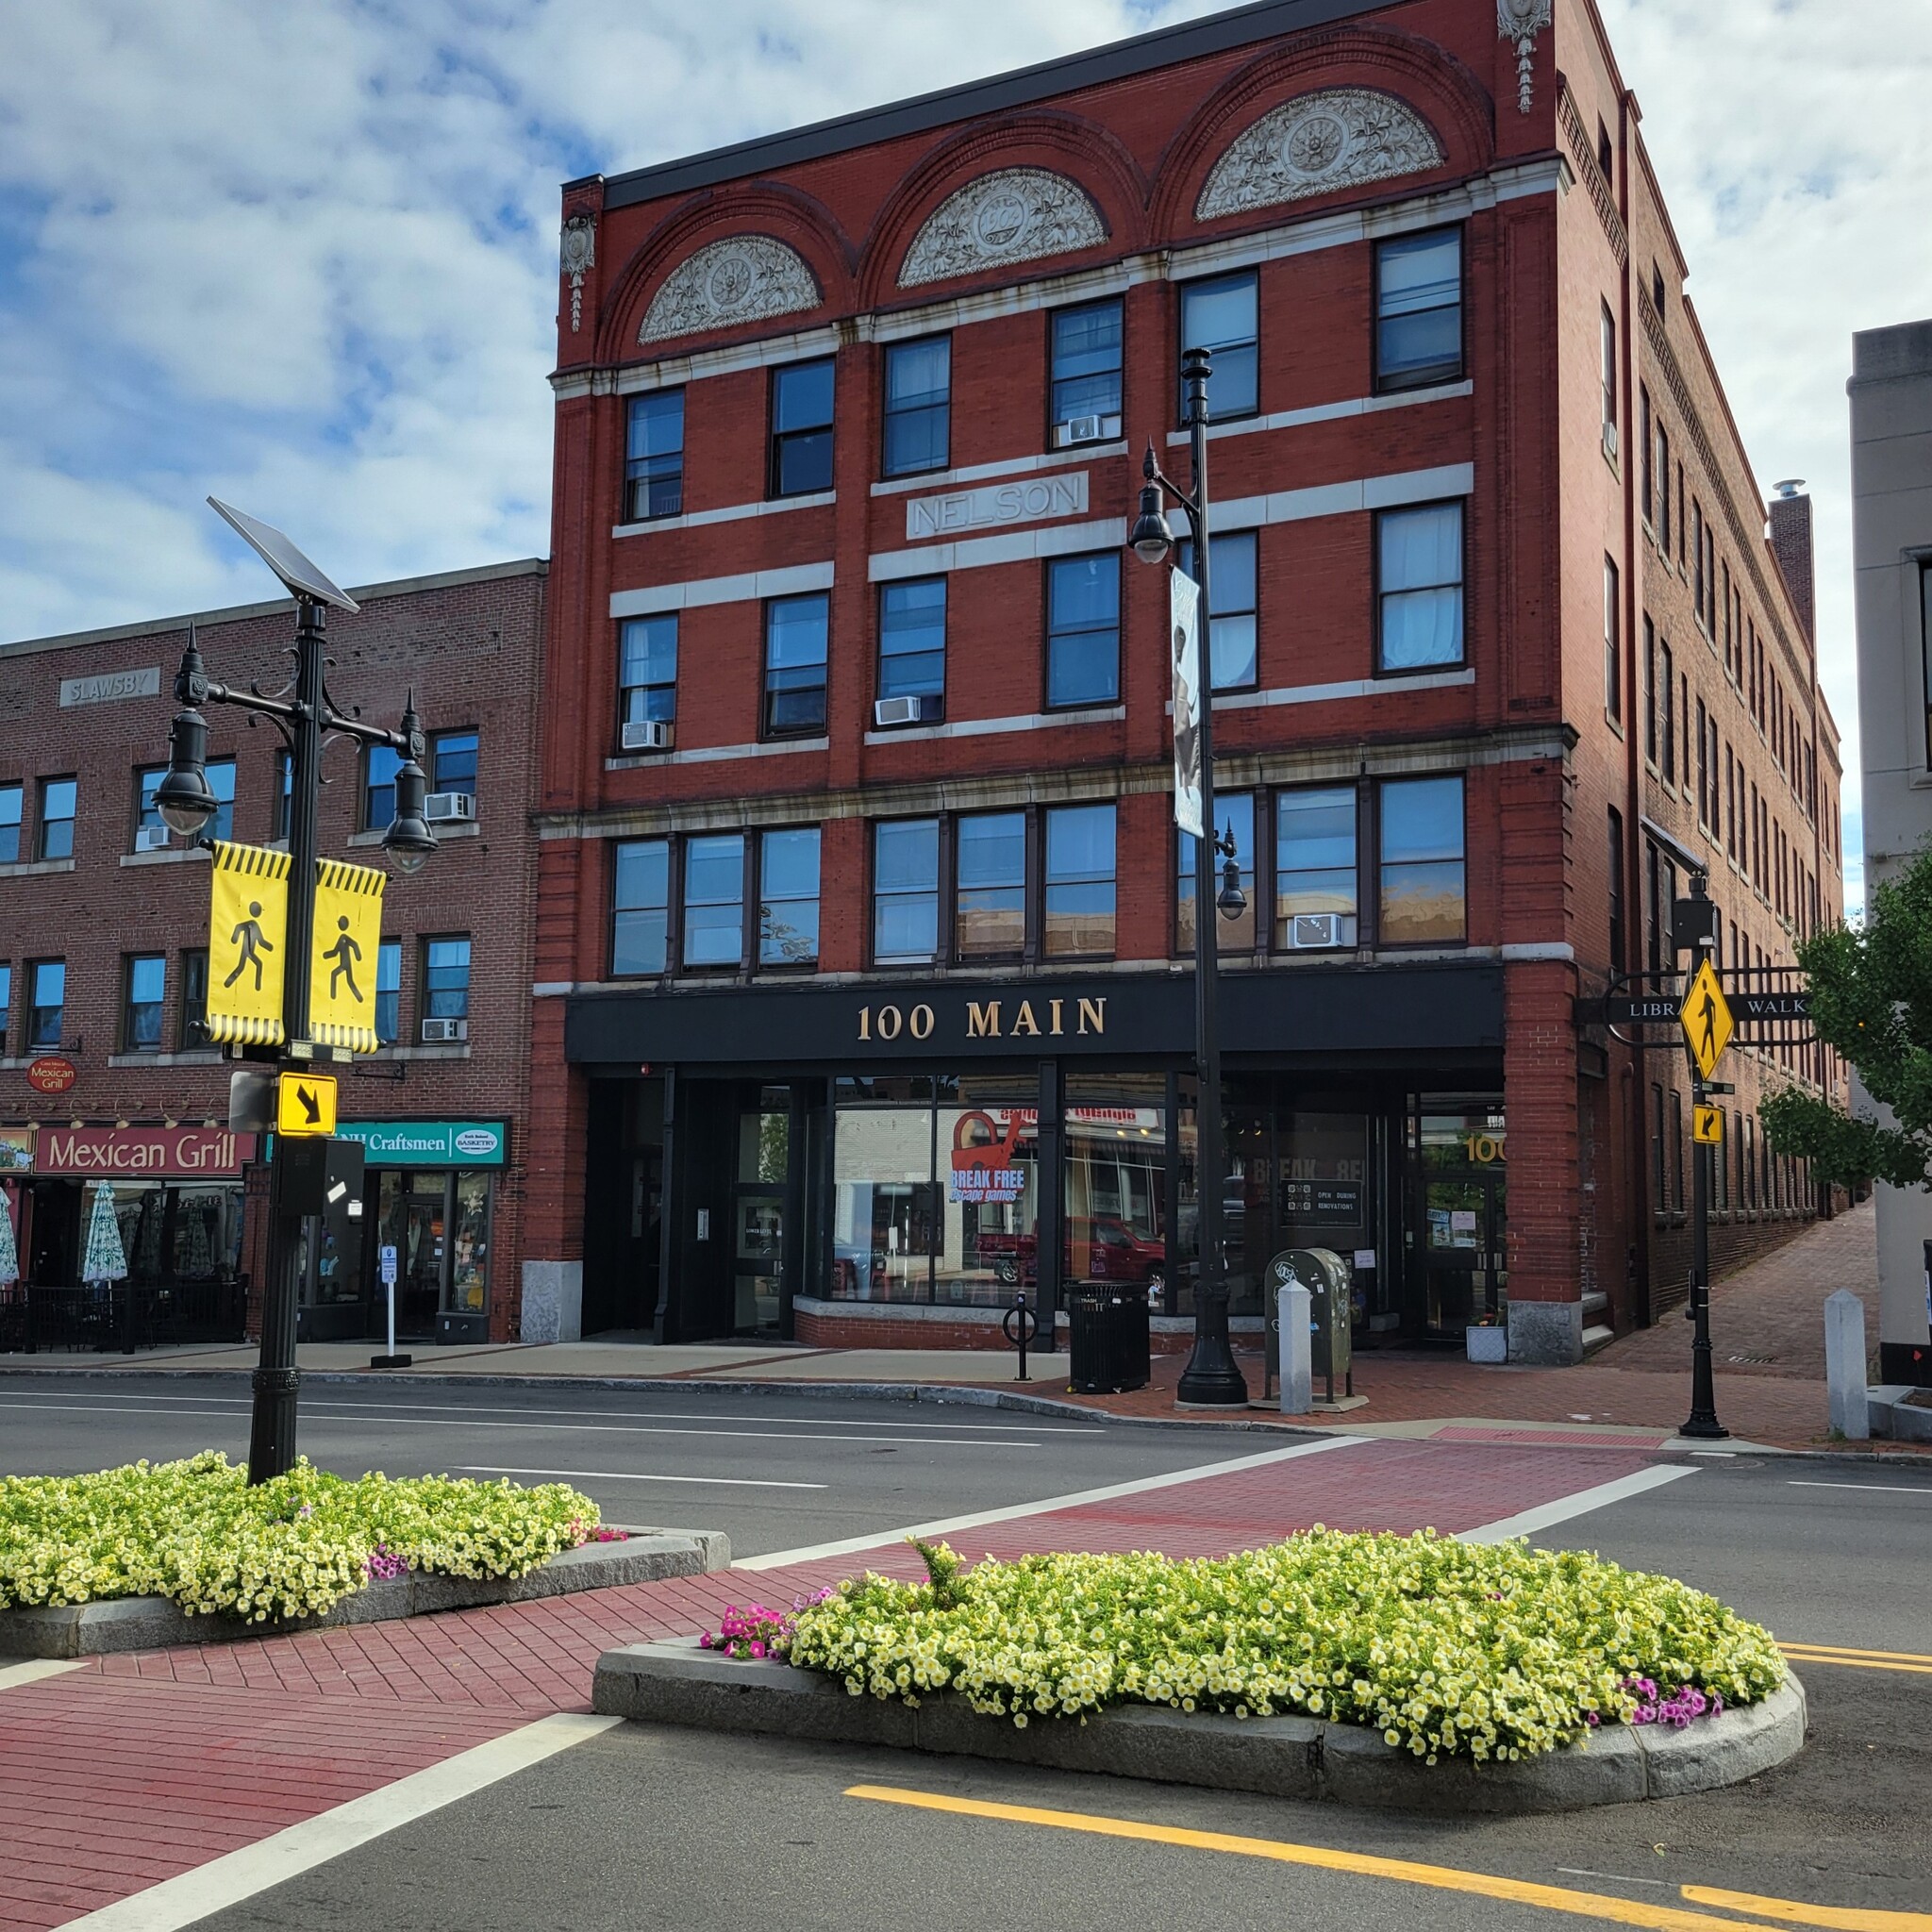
pixel 104 959
pixel 862 974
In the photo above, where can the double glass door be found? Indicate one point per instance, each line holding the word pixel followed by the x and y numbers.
pixel 439 1224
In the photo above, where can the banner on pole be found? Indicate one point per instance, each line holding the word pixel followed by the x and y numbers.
pixel 1184 631
pixel 342 971
pixel 248 954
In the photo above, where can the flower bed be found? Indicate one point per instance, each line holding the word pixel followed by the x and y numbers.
pixel 1447 1648
pixel 196 1532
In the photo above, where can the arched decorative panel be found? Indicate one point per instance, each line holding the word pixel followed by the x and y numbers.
pixel 725 284
pixel 1315 144
pixel 1016 214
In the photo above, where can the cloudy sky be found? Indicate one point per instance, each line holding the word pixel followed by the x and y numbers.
pixel 304 257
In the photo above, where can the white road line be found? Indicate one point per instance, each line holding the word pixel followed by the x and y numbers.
pixel 431 1421
pixel 35 1669
pixel 1881 1489
pixel 191 1896
pixel 981 1518
pixel 626 1475
pixel 472 1408
pixel 1546 1515
pixel 1615 1877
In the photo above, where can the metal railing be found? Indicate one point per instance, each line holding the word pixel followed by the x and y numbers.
pixel 122 1316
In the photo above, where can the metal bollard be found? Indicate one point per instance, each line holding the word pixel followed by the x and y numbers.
pixel 1297 1350
pixel 1020 1324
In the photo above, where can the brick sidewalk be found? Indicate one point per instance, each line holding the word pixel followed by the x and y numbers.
pixel 128 1770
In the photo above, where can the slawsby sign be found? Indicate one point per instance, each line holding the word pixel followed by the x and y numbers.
pixel 961 512
pixel 211 1152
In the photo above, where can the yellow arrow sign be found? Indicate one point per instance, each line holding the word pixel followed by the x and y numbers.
pixel 1705 1018
pixel 1707 1125
pixel 305 1104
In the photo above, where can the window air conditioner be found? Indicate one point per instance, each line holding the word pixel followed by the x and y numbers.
pixel 1086 429
pixel 445 808
pixel 1315 929
pixel 921 711
pixel 437 1032
pixel 649 734
pixel 151 839
pixel 1611 440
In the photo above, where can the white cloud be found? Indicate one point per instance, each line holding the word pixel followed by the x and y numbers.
pixel 304 257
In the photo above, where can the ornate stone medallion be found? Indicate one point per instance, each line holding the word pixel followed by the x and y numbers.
pixel 1315 144
pixel 1521 21
pixel 725 284
pixel 577 257
pixel 1014 215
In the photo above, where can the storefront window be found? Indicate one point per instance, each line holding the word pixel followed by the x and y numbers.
pixel 885 1206
pixel 1116 1182
pixel 764 1163
pixel 469 1278
pixel 989 1142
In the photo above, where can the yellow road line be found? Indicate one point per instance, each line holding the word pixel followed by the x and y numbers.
pixel 1555 1898
pixel 1897 1656
pixel 1839 1918
pixel 1852 1663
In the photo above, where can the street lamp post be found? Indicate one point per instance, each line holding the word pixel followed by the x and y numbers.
pixel 1695 920
pixel 186 803
pixel 1212 1379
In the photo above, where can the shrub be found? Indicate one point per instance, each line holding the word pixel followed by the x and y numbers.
pixel 1447 1648
pixel 195 1532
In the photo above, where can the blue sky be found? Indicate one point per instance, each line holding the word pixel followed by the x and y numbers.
pixel 304 258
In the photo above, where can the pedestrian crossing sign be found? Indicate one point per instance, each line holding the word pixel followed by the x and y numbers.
pixel 1706 1017
pixel 248 954
pixel 342 956
pixel 1707 1126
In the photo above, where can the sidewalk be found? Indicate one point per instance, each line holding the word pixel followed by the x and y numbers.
pixel 1767 1325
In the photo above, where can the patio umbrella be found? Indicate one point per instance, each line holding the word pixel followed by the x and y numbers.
pixel 9 1254
pixel 106 1258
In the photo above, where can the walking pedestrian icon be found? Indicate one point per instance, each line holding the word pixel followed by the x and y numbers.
pixel 1705 1018
pixel 345 952
pixel 248 916
pixel 250 945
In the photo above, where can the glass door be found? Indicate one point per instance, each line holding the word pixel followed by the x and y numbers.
pixel 412 1210
pixel 765 1166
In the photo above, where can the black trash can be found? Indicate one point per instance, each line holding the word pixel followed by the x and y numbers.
pixel 1106 1337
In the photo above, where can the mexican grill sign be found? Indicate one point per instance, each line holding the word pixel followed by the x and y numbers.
pixel 137 1152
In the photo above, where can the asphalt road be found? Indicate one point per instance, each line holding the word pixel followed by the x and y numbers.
pixel 774 1472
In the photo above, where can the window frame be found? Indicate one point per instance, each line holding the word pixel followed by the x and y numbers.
pixel 1195 286
pixel 130 964
pixel 388 949
pixel 1354 790
pixel 1436 375
pixel 30 1039
pixel 366 817
pixel 1051 566
pixel 1383 942
pixel 688 925
pixel 42 855
pixel 768 731
pixel 1377 594
pixel 1048 884
pixel 636 469
pixel 956 889
pixel 760 898
pixel 898 586
pixel 887 469
pixel 437 742
pixel 1054 418
pixel 674 619
pixel 778 441
pixel 668 909
pixel 1613 642
pixel 1260 905
pixel 874 958
pixel 17 822
pixel 428 993
pixel 6 1003
pixel 1221 540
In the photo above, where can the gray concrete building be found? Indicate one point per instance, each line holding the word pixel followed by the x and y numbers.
pixel 1891 548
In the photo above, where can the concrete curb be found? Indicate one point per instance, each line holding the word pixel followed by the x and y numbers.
pixel 156 1622
pixel 1279 1757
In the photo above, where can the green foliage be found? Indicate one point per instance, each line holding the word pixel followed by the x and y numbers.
pixel 1449 1649
pixel 1872 1000
pixel 195 1532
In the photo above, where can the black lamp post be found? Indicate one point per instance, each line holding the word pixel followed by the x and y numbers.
pixel 1212 1379
pixel 1694 927
pixel 185 803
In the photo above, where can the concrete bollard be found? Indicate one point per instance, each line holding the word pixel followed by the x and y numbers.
pixel 1844 1364
pixel 1297 1351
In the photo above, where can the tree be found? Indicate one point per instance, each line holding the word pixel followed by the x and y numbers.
pixel 1872 1000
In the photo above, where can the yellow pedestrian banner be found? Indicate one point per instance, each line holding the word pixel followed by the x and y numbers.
pixel 1707 1125
pixel 341 972
pixel 305 1104
pixel 248 954
pixel 1706 1017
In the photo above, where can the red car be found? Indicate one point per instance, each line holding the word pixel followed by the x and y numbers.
pixel 1113 1253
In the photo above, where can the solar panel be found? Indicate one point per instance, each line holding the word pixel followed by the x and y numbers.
pixel 301 576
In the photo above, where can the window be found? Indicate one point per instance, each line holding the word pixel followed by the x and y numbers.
pixel 912 639
pixel 1703 767
pixel 1083 641
pixel 1080 897
pixel 193 1033
pixel 6 1003
pixel 1616 889
pixel 453 762
pixel 1697 599
pixel 714 899
pixel 388 992
pixel 654 457
pixel 380 786
pixel 1663 489
pixel 1232 659
pixel 789 897
pixel 802 427
pixel 639 907
pixel 285 792
pixel 221 781
pixel 145 982
pixel 1234 811
pixel 9 824
pixel 904 891
pixel 147 817
pixel 989 916
pixel 1646 489
pixel 1711 812
pixel 1220 315
pixel 1650 731
pixel 1613 653
pixel 1085 380
pixel 1419 309
pixel 795 638
pixel 446 980
pixel 919 406
pixel 1419 586
pixel 1659 1186
pixel 1656 288
pixel 1677 1195
pixel 57 797
pixel 1315 867
pixel 1423 887
pixel 46 1001
pixel 1607 332
pixel 1668 724
pixel 648 671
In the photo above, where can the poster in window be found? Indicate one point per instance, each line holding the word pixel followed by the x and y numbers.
pixel 1184 605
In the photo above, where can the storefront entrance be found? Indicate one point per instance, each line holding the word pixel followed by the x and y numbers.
pixel 1460 1220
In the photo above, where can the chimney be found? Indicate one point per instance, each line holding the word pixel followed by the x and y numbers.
pixel 1790 542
